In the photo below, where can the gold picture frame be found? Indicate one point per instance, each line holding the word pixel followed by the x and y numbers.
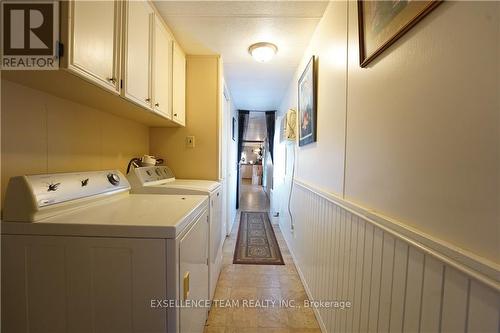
pixel 381 23
pixel 307 103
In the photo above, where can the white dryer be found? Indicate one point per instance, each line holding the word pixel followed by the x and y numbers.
pixel 161 180
pixel 79 253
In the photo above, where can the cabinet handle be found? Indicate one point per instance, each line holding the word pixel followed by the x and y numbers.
pixel 157 104
pixel 111 79
pixel 147 99
pixel 175 114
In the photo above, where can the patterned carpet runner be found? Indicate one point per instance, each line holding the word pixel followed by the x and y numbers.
pixel 256 243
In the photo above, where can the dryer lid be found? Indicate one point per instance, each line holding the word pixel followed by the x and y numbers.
pixel 193 184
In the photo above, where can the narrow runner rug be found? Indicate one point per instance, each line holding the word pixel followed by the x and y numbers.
pixel 256 243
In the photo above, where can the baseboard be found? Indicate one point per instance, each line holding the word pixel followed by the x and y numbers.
pixel 306 286
pixel 274 219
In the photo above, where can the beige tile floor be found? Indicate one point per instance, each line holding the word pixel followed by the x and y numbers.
pixel 259 282
pixel 253 197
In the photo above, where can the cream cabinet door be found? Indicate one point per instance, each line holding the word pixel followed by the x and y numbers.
pixel 179 85
pixel 95 41
pixel 137 57
pixel 162 74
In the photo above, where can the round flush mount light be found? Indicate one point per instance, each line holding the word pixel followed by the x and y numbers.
pixel 263 52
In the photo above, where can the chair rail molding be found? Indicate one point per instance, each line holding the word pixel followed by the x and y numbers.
pixel 396 277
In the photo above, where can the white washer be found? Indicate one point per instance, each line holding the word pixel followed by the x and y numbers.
pixel 161 180
pixel 79 253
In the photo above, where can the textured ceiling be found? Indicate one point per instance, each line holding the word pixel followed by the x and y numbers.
pixel 230 27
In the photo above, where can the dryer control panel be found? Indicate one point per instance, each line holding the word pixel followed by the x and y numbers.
pixel 148 175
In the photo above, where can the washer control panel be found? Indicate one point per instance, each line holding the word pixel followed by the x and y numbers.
pixel 55 188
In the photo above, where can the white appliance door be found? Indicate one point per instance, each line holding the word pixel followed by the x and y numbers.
pixel 82 284
pixel 215 238
pixel 193 271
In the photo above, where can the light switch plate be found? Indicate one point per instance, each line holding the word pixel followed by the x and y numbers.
pixel 190 141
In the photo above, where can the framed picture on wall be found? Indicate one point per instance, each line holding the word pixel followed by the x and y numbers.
pixel 381 23
pixel 307 104
pixel 233 129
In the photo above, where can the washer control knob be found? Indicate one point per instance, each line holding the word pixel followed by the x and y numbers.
pixel 114 179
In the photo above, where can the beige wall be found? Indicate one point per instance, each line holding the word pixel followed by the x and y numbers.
pixel 424 147
pixel 329 45
pixel 202 118
pixel 420 125
pixel 42 133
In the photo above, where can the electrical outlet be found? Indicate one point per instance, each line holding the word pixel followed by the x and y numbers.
pixel 190 141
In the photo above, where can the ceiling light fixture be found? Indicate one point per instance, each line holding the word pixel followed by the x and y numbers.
pixel 263 52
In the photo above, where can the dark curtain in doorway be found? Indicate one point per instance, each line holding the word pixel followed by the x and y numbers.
pixel 270 121
pixel 242 127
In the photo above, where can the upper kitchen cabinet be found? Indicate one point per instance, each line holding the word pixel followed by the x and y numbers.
pixel 93 38
pixel 137 74
pixel 119 57
pixel 162 70
pixel 178 85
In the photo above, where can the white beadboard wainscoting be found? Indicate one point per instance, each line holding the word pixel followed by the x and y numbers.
pixel 395 282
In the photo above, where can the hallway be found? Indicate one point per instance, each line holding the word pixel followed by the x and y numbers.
pixel 253 197
pixel 259 283
pixel 250 166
